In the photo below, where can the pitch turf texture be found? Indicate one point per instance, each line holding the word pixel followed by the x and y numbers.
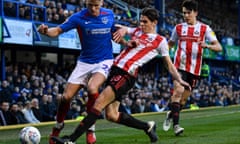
pixel 216 125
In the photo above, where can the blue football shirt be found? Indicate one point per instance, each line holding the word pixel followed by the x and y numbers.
pixel 95 34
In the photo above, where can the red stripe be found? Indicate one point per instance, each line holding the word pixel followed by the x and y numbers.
pixel 79 30
pixel 179 49
pixel 144 51
pixel 125 51
pixel 120 83
pixel 189 49
pixel 200 50
pixel 137 29
pixel 123 54
pixel 103 12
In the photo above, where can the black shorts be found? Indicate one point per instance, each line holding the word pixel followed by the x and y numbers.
pixel 120 81
pixel 190 78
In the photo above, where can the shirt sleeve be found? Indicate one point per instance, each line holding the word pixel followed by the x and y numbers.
pixel 130 30
pixel 210 35
pixel 174 36
pixel 163 48
pixel 69 24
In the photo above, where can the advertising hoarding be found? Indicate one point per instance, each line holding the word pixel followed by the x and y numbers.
pixel 18 32
pixel 232 53
pixel 69 40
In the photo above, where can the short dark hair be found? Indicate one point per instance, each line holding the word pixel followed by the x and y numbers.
pixel 190 5
pixel 151 13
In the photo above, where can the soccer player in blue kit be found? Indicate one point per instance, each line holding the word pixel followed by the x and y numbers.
pixel 95 26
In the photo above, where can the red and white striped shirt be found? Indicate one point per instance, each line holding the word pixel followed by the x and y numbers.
pixel 188 56
pixel 150 45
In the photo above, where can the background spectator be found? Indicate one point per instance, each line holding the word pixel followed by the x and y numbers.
pixel 5 92
pixel 28 113
pixel 36 109
pixel 6 117
pixel 17 113
pixel 47 109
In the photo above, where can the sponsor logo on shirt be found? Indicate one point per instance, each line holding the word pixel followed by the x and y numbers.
pixel 190 38
pixel 99 31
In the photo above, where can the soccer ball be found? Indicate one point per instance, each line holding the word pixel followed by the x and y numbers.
pixel 29 135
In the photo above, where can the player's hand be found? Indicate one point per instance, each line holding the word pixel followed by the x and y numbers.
pixel 185 84
pixel 42 29
pixel 203 44
pixel 119 34
pixel 132 43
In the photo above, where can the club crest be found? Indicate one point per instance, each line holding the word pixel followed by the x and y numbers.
pixel 105 20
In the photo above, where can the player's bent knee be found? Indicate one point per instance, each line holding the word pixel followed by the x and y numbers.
pixel 111 117
pixel 92 89
pixel 178 92
pixel 65 98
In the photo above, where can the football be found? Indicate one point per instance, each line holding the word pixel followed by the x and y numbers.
pixel 29 135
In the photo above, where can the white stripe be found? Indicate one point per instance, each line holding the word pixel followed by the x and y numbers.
pixel 197 31
pixel 194 56
pixel 183 56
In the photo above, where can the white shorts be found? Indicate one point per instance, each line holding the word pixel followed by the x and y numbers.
pixel 83 71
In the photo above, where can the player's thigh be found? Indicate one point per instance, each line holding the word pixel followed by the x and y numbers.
pixel 178 89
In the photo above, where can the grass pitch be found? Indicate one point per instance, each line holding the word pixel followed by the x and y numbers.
pixel 217 125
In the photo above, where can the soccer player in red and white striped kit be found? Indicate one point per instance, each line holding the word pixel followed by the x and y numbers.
pixel 191 37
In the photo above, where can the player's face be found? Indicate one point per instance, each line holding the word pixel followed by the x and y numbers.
pixel 189 16
pixel 146 25
pixel 94 6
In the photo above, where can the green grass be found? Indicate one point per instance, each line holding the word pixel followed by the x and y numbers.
pixel 218 125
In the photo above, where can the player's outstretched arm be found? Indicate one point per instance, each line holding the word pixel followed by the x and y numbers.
pixel 173 71
pixel 119 33
pixel 51 32
pixel 214 46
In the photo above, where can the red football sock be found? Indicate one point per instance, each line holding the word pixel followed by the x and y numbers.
pixel 175 112
pixel 91 101
pixel 63 108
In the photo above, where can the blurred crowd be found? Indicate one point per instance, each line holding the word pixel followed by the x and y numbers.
pixel 58 11
pixel 30 93
pixel 223 20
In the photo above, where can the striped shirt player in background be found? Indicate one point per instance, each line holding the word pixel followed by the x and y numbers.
pixel 145 44
pixel 95 26
pixel 191 37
